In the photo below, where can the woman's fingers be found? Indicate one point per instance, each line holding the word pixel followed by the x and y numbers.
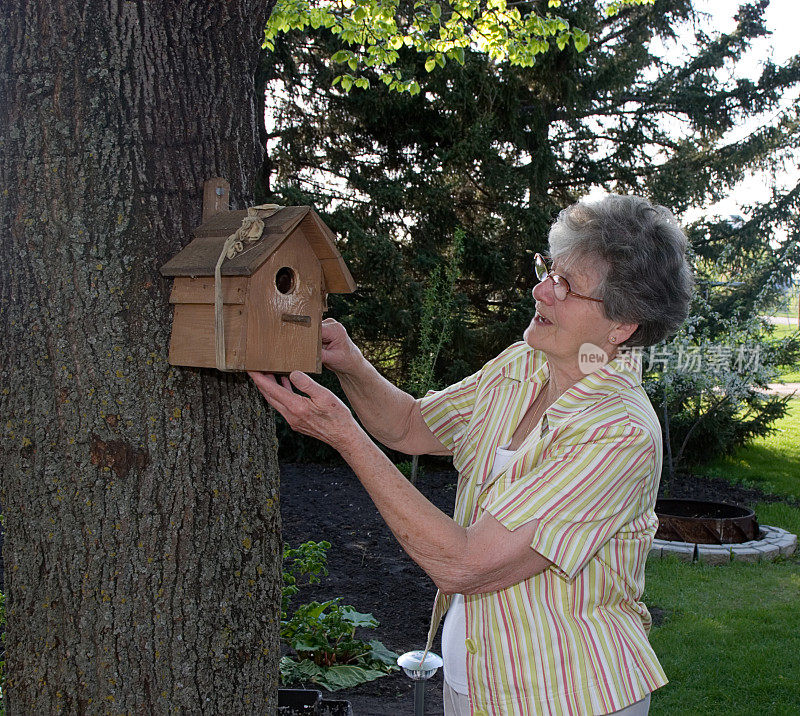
pixel 282 396
pixel 276 394
pixel 308 385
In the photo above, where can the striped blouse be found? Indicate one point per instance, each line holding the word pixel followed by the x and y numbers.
pixel 573 639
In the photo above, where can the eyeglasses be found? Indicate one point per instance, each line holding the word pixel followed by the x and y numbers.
pixel 561 287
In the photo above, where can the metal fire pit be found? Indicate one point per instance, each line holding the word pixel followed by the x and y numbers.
pixel 704 522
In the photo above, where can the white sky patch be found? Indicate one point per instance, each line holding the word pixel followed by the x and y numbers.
pixel 782 19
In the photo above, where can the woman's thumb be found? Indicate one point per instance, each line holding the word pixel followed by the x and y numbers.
pixel 301 381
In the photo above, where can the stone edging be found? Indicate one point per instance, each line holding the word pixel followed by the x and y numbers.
pixel 774 542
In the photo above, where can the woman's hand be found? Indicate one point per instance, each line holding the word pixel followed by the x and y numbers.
pixel 339 353
pixel 321 415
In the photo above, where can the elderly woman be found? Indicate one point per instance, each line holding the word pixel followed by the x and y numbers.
pixel 541 569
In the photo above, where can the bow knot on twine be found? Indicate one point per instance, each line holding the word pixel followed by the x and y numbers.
pixel 249 232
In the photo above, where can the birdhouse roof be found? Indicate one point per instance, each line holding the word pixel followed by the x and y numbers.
pixel 200 257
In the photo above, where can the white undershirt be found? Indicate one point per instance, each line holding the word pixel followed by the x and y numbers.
pixel 454 632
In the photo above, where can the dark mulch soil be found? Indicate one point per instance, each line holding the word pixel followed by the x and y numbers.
pixel 370 571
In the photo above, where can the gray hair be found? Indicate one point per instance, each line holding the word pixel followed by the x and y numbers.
pixel 643 251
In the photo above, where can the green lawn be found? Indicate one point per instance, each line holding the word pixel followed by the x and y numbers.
pixel 790 307
pixel 771 463
pixel 791 375
pixel 730 638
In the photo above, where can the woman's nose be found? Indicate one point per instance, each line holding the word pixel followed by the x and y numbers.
pixel 543 291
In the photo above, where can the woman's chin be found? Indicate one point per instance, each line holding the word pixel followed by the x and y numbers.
pixel 529 336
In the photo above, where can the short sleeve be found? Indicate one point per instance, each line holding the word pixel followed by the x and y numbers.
pixel 581 494
pixel 447 412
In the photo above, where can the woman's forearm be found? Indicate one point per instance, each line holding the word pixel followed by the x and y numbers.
pixel 484 557
pixel 431 538
pixel 382 407
pixel 389 414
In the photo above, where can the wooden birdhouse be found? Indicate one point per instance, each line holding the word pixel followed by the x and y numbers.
pixel 250 289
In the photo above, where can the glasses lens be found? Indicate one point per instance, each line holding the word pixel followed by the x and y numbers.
pixel 560 287
pixel 540 267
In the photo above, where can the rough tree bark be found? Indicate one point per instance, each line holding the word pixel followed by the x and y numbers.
pixel 142 535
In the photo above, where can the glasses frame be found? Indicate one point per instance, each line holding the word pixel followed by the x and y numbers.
pixel 543 273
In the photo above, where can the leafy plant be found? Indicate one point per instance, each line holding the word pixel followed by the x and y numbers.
pixel 308 560
pixel 321 635
pixel 436 325
pixel 708 385
pixel 378 29
pixel 406 468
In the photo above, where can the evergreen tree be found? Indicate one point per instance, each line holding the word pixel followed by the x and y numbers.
pixel 499 150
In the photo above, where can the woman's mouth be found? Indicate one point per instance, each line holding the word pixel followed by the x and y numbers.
pixel 541 320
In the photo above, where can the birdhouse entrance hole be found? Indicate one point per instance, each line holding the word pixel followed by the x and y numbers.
pixel 285 280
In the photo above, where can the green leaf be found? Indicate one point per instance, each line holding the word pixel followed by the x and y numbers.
pixel 346 677
pixel 358 619
pixel 359 13
pixel 436 10
pixel 340 57
pixel 581 39
pixel 294 671
pixel 430 63
pixel 381 653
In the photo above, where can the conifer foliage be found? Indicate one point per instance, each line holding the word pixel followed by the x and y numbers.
pixel 498 150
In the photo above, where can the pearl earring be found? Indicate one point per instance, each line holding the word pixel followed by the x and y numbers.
pixel 612 339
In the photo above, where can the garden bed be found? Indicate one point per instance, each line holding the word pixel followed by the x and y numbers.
pixel 370 571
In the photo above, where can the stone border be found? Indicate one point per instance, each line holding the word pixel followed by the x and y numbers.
pixel 774 542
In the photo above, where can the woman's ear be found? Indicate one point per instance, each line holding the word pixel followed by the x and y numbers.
pixel 621 332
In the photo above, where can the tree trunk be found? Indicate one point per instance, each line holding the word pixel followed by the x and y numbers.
pixel 142 533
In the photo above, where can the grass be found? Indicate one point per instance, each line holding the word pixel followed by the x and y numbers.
pixel 790 307
pixel 770 463
pixel 792 374
pixel 779 514
pixel 730 637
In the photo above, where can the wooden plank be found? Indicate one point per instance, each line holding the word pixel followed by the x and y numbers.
pixel 192 342
pixel 276 345
pixel 216 197
pixel 222 224
pixel 311 228
pixel 201 290
pixel 283 221
pixel 200 257
pixel 338 278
